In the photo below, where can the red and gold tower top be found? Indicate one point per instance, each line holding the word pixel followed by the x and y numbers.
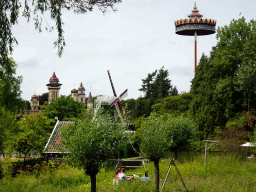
pixel 195 23
pixel 54 81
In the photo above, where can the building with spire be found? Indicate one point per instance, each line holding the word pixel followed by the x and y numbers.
pixel 53 87
pixel 81 93
pixel 90 102
pixel 34 102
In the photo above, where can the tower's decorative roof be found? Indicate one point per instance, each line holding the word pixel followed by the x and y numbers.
pixel 34 96
pixel 195 23
pixel 90 100
pixel 81 87
pixel 74 91
pixel 54 81
pixel 195 13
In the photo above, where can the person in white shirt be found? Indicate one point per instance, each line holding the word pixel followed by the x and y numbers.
pixel 122 175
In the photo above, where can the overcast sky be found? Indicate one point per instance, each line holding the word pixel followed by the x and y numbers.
pixel 132 42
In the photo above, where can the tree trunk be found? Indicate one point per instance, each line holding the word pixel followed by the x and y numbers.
pixel 156 164
pixel 93 182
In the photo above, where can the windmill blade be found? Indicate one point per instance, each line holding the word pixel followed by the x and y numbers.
pixel 124 95
pixel 119 113
pixel 112 84
pixel 120 106
pixel 115 100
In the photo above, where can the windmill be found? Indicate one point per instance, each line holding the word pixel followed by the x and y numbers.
pixel 111 101
pixel 115 101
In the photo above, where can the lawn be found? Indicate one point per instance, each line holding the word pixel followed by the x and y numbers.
pixel 222 173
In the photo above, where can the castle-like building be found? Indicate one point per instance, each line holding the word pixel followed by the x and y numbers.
pixel 54 88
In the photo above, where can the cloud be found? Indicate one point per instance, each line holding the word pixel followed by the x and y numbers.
pixel 110 47
pixel 21 54
pixel 31 63
pixel 45 61
pixel 181 71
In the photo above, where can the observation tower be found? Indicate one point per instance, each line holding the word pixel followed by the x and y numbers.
pixel 195 26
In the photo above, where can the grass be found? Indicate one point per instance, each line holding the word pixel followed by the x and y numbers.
pixel 222 173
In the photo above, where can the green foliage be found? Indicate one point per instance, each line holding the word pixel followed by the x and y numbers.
pixel 143 107
pixel 154 141
pixel 43 98
pixel 129 106
pixel 182 131
pixel 173 104
pixel 64 107
pixel 224 84
pixel 32 134
pixel 10 85
pixel 92 143
pixel 8 125
pixel 159 134
pixel 155 86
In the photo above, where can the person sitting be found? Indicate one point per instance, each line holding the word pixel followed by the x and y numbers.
pixel 118 173
pixel 122 175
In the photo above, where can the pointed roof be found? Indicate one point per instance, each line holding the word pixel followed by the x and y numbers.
pixel 90 100
pixel 74 91
pixel 54 81
pixel 81 87
pixel 195 13
pixel 34 96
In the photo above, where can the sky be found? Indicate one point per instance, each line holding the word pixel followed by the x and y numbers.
pixel 132 42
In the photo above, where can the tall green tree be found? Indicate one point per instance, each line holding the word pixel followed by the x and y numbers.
pixel 224 84
pixel 92 143
pixel 159 134
pixel 64 108
pixel 154 142
pixel 148 85
pixel 156 86
pixel 10 86
pixel 10 12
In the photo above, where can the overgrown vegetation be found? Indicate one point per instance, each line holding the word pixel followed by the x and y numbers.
pixel 223 173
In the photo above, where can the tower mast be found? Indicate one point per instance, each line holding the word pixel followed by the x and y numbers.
pixel 195 26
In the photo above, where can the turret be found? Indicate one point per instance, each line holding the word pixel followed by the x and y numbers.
pixel 53 87
pixel 34 102
pixel 90 102
pixel 74 94
pixel 81 93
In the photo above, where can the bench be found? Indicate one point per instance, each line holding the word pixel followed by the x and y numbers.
pixel 132 160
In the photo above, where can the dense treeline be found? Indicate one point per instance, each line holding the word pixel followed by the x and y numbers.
pixel 224 84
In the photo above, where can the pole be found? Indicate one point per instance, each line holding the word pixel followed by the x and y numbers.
pixel 180 176
pixel 170 166
pixel 205 154
pixel 195 50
